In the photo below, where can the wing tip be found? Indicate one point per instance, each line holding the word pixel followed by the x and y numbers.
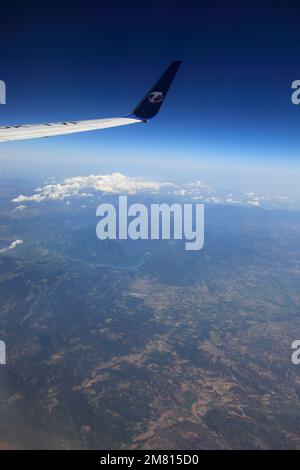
pixel 152 101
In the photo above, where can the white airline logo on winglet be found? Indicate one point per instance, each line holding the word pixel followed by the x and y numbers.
pixel 156 97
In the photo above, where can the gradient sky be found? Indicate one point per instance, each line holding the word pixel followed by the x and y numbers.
pixel 229 108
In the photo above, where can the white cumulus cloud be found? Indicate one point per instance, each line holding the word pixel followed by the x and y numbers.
pixel 86 186
pixel 253 202
pixel 117 183
pixel 12 246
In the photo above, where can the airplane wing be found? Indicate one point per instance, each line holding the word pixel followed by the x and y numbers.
pixel 145 110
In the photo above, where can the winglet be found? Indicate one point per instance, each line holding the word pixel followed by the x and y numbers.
pixel 151 103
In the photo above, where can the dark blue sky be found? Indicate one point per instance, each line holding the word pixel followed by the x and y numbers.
pixel 81 60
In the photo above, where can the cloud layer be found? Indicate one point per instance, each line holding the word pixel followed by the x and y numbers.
pixel 117 183
pixel 86 186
